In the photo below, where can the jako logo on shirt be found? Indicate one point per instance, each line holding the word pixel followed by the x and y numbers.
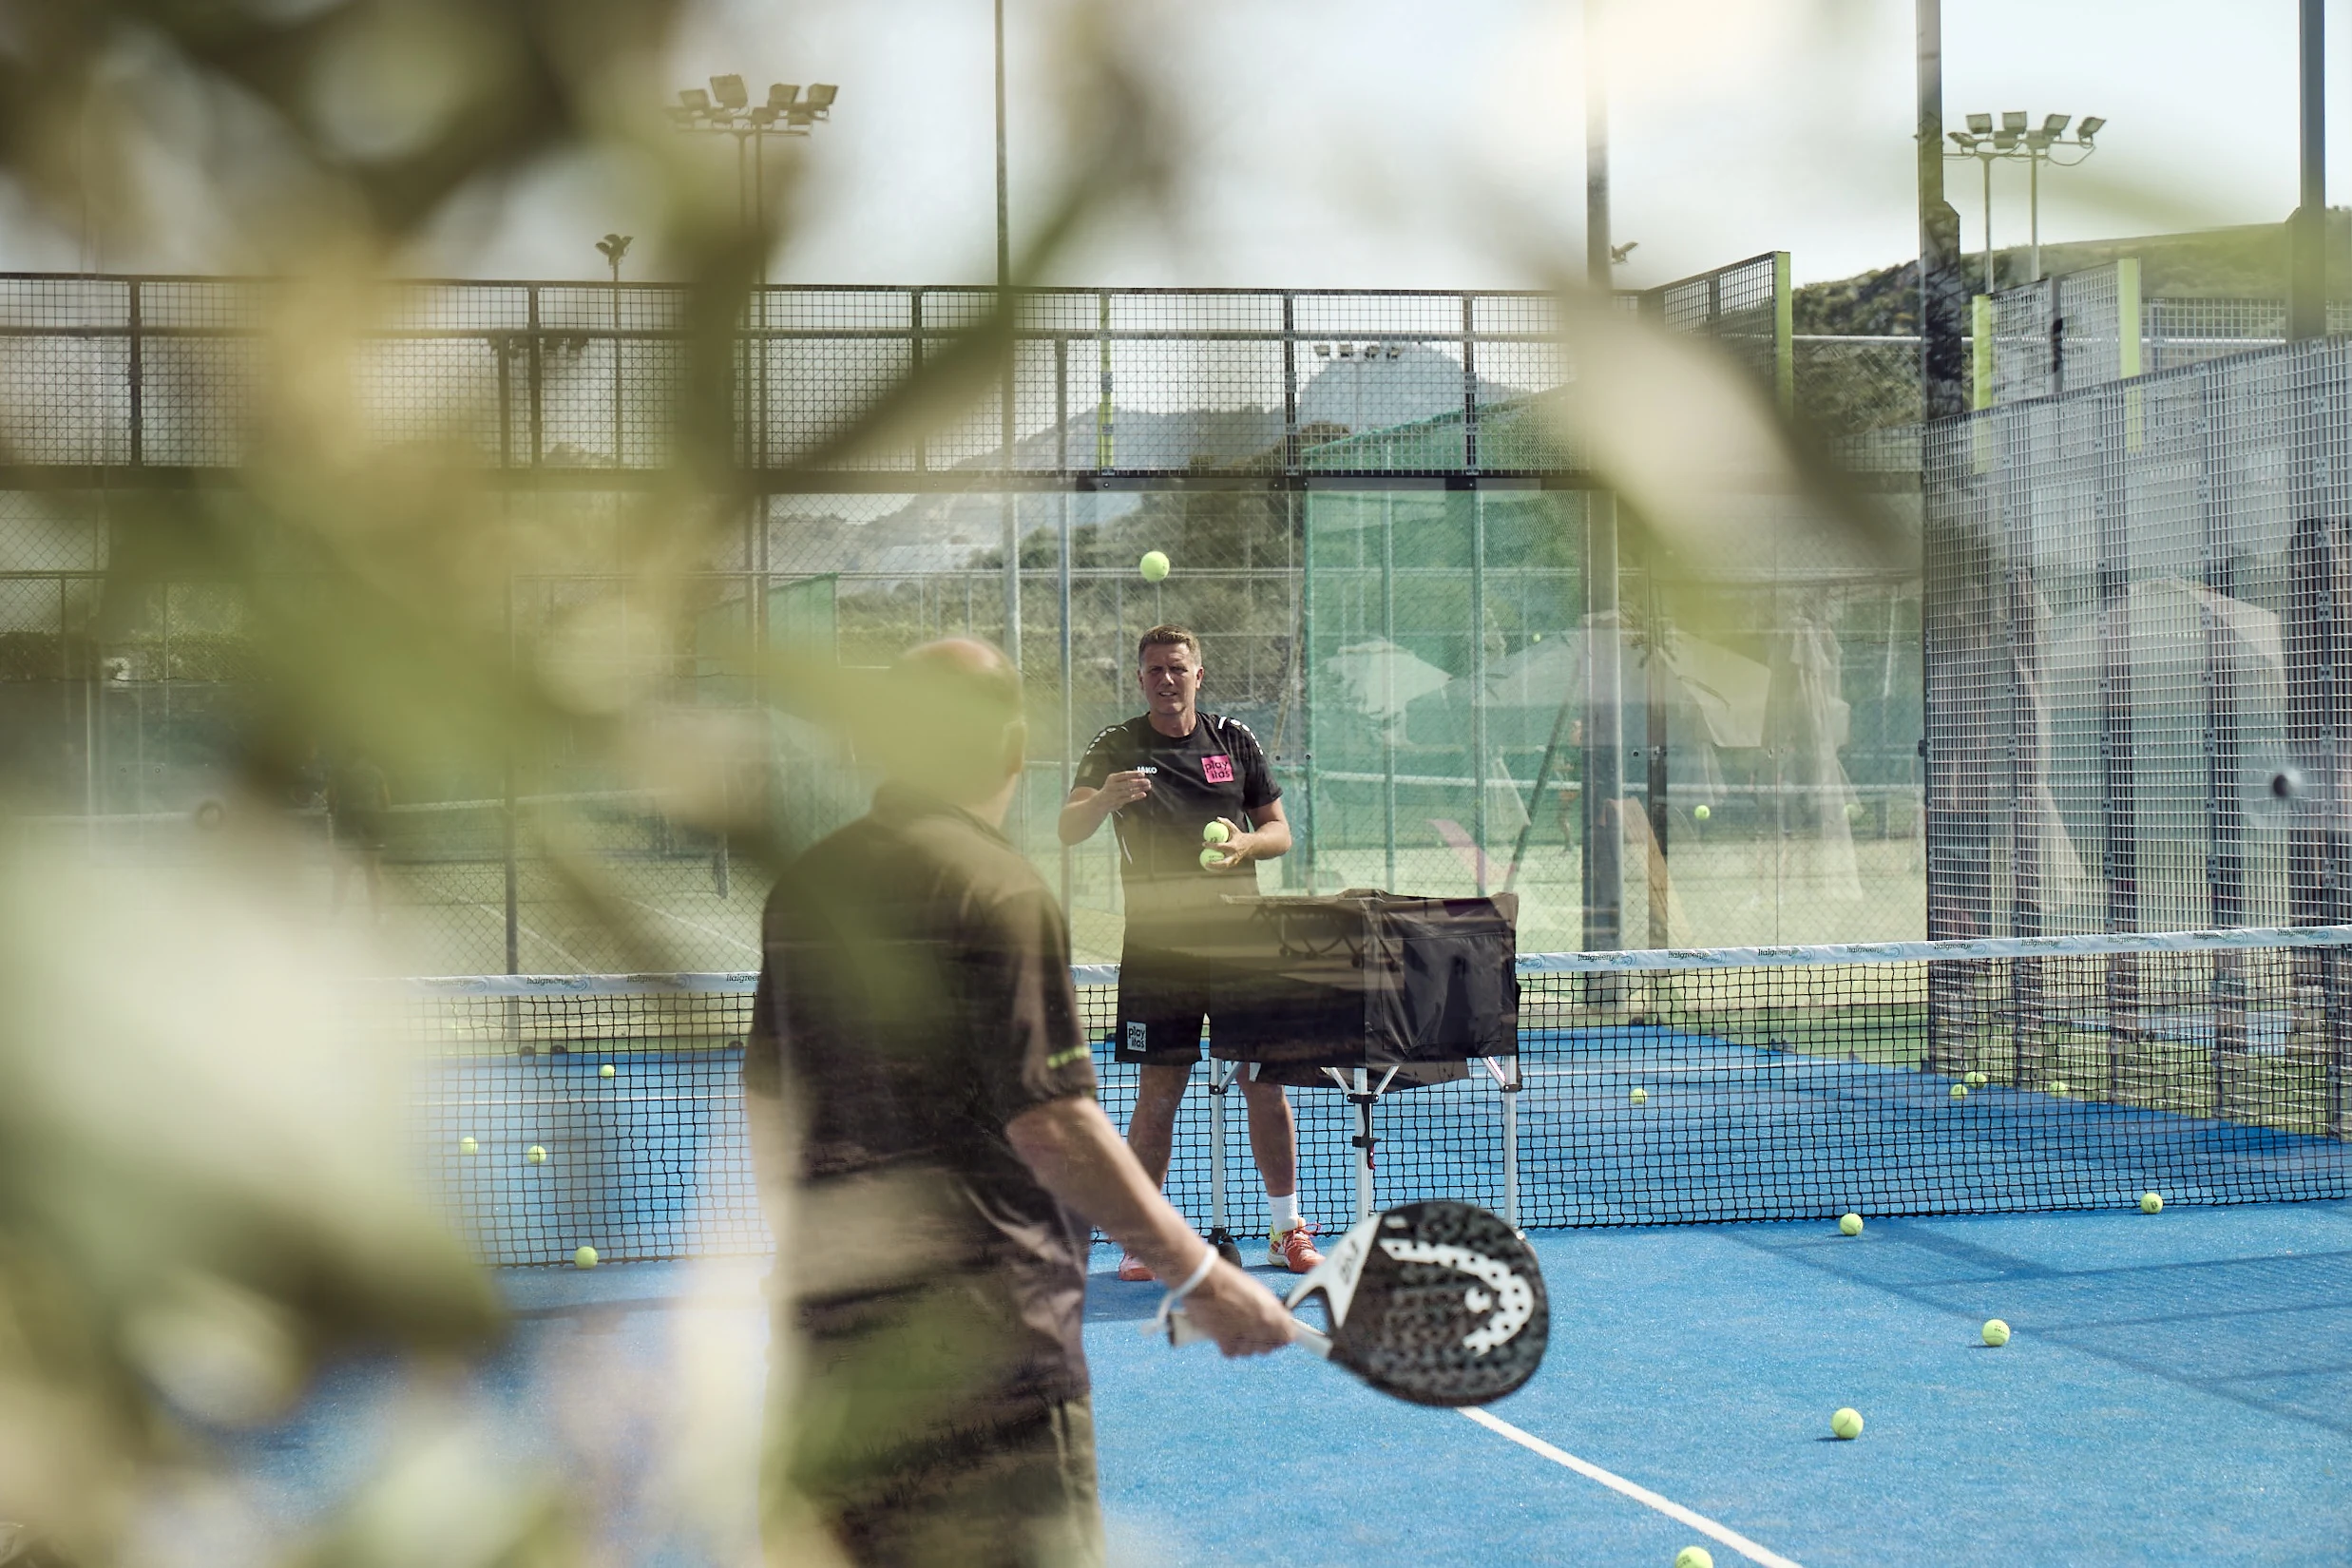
pixel 1217 770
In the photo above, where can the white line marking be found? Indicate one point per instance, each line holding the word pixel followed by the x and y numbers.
pixel 692 925
pixel 1720 1534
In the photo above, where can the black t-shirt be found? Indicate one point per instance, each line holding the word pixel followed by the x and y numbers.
pixel 1217 770
pixel 916 997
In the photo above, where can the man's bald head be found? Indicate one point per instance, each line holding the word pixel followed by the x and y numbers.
pixel 952 719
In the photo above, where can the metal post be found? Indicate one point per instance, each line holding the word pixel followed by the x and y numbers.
pixel 1362 1100
pixel 1510 1145
pixel 2306 293
pixel 1303 520
pixel 1986 161
pixel 1388 684
pixel 1070 706
pixel 1220 1080
pixel 2032 204
pixel 1943 284
pixel 2225 816
pixel 1604 870
pixel 2118 742
pixel 1478 683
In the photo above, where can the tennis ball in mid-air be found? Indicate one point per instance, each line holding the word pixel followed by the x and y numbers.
pixel 1639 1097
pixel 584 1258
pixel 536 1155
pixel 605 1071
pixel 1701 812
pixel 1847 1423
pixel 1153 565
pixel 1216 832
pixel 1959 1091
pixel 1849 1225
pixel 1996 1332
pixel 1694 1557
pixel 1211 856
pixel 1856 811
pixel 2152 1203
pixel 467 1146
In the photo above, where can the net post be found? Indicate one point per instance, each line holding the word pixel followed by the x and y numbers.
pixel 1510 1088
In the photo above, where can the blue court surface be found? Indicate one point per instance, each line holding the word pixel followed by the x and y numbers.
pixel 2179 1390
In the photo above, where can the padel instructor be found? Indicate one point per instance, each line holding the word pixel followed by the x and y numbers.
pixel 1162 778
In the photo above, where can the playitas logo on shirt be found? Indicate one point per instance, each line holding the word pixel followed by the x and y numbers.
pixel 1217 770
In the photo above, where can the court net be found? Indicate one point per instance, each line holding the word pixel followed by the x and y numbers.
pixel 1649 1088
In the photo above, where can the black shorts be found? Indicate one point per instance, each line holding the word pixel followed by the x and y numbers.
pixel 1163 999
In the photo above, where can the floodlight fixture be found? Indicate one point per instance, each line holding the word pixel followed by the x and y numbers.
pixel 780 95
pixel 1980 123
pixel 693 101
pixel 2092 124
pixel 1967 142
pixel 1322 350
pixel 821 98
pixel 2013 120
pixel 2055 124
pixel 730 92
pixel 681 115
pixel 764 116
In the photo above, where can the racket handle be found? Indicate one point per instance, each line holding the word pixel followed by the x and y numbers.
pixel 1183 1331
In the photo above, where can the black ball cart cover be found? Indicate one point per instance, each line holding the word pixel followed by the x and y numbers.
pixel 1366 979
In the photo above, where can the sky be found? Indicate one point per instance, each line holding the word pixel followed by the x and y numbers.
pixel 1394 144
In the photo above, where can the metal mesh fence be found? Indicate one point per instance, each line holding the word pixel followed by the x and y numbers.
pixel 1377 531
pixel 2135 612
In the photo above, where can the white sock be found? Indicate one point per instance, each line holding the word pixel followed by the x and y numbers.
pixel 1284 1210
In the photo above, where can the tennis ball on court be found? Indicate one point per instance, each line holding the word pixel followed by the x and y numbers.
pixel 1976 1080
pixel 605 1071
pixel 1702 813
pixel 584 1258
pixel 2151 1203
pixel 1639 1097
pixel 1847 1423
pixel 467 1146
pixel 1996 1332
pixel 1216 832
pixel 1694 1557
pixel 1959 1091
pixel 1211 856
pixel 536 1155
pixel 1849 1225
pixel 2057 1085
pixel 1153 565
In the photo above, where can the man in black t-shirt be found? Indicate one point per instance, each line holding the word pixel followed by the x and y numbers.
pixel 1162 778
pixel 920 1100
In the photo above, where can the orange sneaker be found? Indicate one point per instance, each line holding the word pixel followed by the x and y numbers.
pixel 1130 1268
pixel 1293 1249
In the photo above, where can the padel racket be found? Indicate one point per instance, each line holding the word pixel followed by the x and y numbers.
pixel 1438 1303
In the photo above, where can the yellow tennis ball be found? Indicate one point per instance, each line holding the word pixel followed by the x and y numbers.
pixel 1216 832
pixel 2152 1203
pixel 1694 1557
pixel 536 1155
pixel 1847 1423
pixel 1153 565
pixel 1996 1332
pixel 584 1258
pixel 1211 856
pixel 1850 1225
pixel 1959 1091
pixel 605 1071
pixel 1976 1080
pixel 1702 813
pixel 467 1146
pixel 1639 1097
pixel 2057 1085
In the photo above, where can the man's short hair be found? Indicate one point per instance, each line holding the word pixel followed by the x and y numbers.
pixel 946 714
pixel 1166 637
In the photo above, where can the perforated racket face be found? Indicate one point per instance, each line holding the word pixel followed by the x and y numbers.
pixel 1448 1308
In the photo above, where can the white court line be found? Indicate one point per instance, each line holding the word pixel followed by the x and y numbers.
pixel 692 925
pixel 1721 1535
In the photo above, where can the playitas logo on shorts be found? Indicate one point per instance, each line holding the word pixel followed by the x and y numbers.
pixel 1217 770
pixel 1138 1036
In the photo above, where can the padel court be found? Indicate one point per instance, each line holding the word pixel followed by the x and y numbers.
pixel 2177 1391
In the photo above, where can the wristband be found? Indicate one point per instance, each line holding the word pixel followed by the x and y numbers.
pixel 1169 1303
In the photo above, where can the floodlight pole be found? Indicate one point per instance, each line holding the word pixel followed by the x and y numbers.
pixel 2306 290
pixel 1604 872
pixel 1943 284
